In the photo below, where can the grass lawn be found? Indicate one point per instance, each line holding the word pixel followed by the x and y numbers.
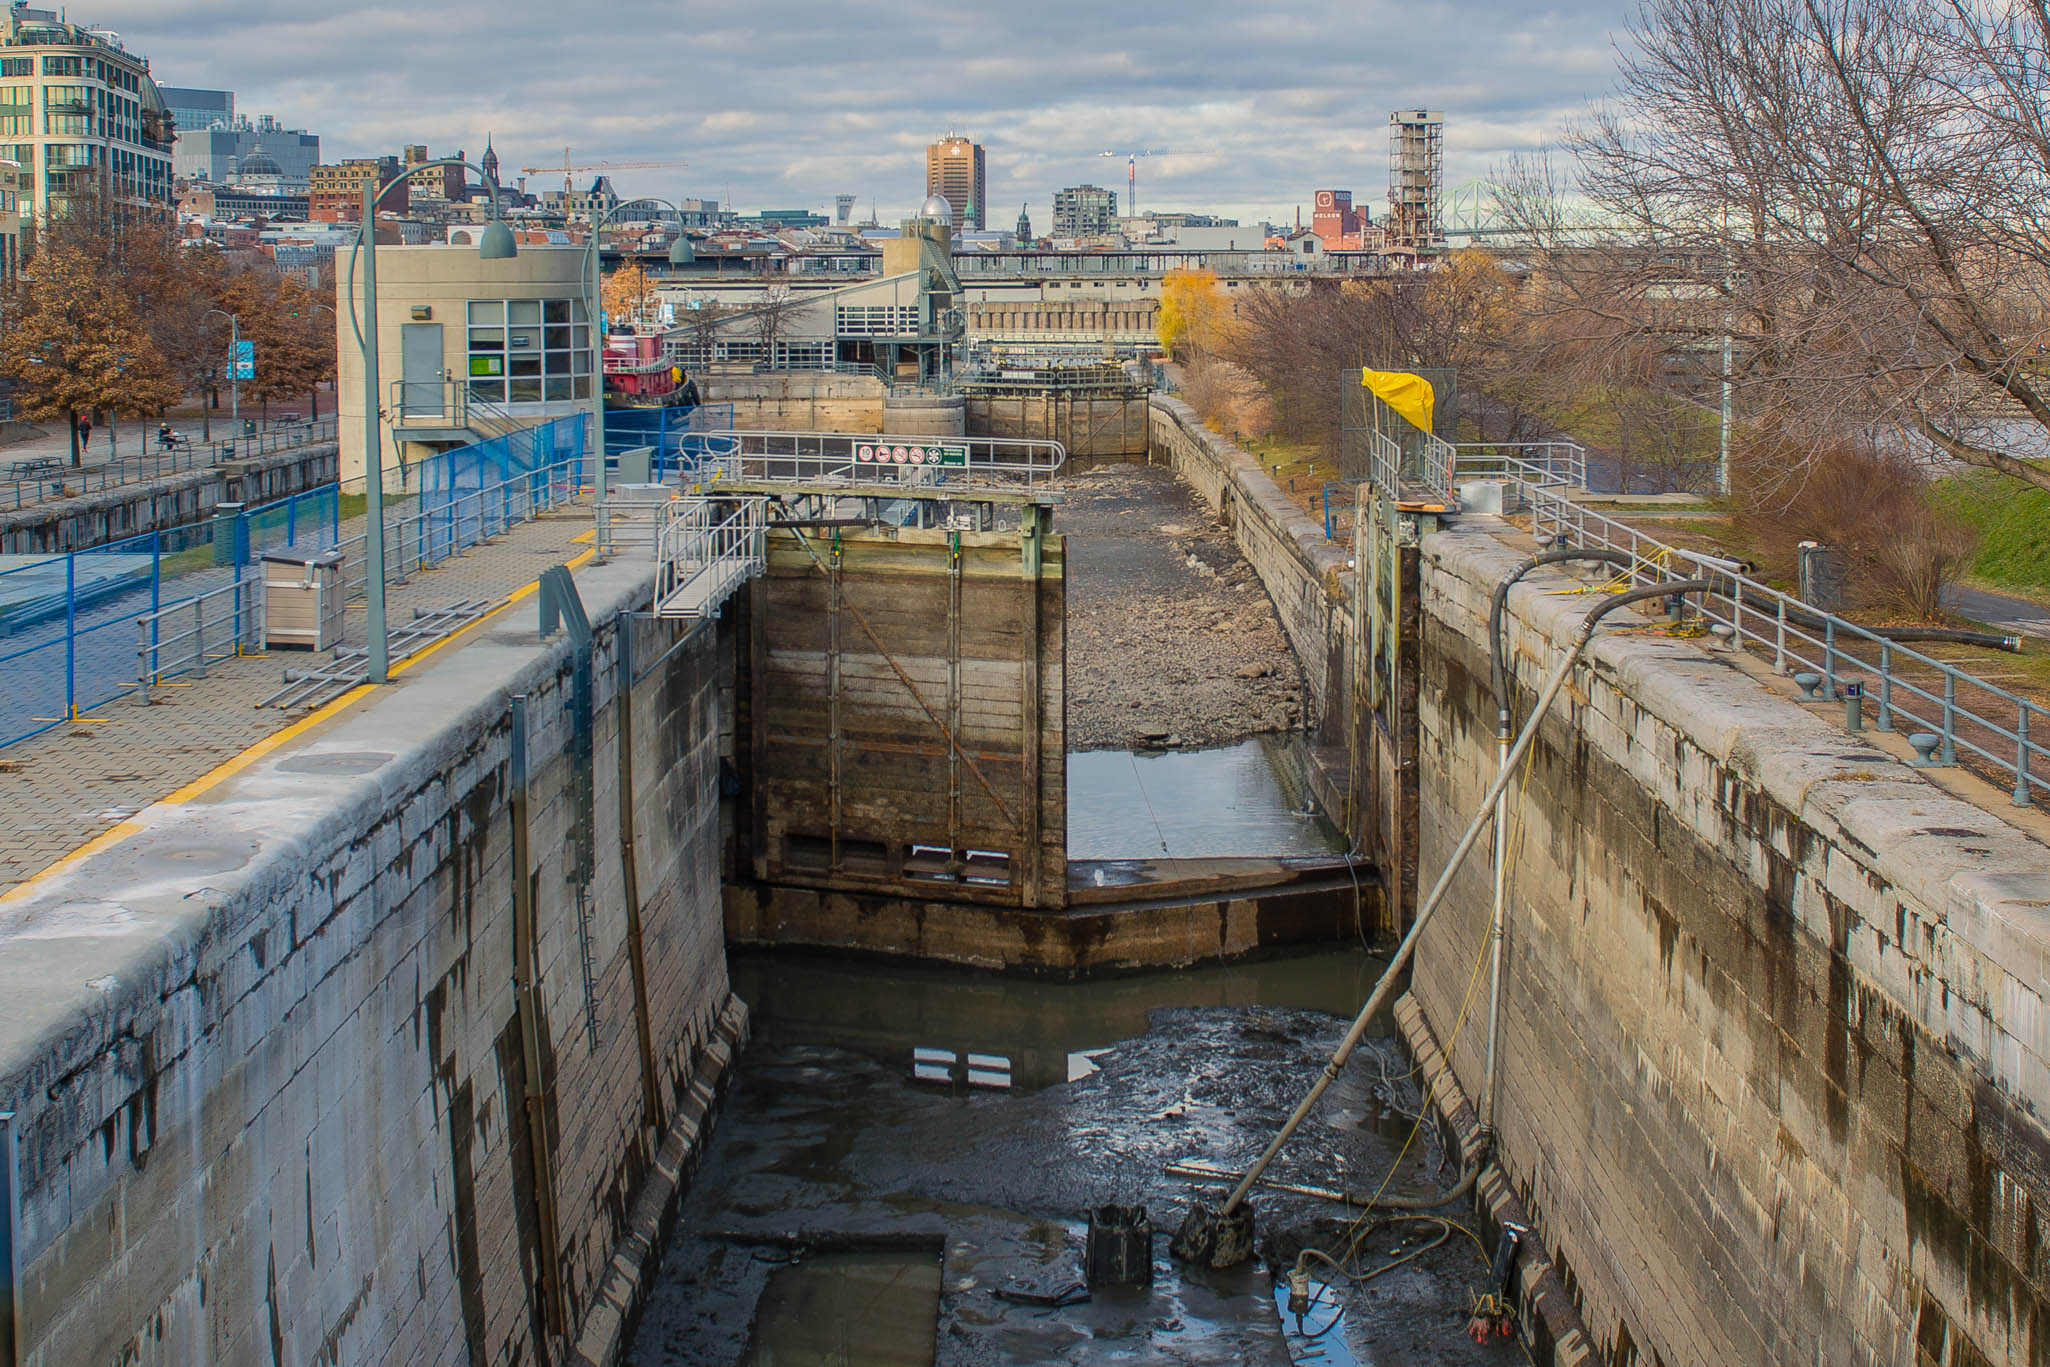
pixel 2013 523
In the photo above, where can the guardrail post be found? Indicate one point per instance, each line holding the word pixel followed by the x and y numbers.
pixel 1829 657
pixel 142 661
pixel 12 1342
pixel 71 636
pixel 1949 716
pixel 1885 686
pixel 2021 756
pixel 1779 643
pixel 199 635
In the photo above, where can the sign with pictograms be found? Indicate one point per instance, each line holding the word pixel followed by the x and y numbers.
pixel 885 453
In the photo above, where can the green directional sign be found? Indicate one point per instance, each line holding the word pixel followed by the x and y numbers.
pixel 909 453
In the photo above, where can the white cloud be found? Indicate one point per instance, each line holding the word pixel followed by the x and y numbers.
pixel 795 102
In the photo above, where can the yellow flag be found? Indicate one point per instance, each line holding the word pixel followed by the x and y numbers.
pixel 1409 395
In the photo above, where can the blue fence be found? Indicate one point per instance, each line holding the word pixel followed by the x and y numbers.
pixel 68 633
pixel 680 436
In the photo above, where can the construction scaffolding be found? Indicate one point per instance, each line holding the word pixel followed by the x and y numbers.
pixel 1416 179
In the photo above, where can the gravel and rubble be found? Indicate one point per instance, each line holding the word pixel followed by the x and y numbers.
pixel 1172 640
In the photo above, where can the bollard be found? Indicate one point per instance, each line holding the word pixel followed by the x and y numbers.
pixel 1854 705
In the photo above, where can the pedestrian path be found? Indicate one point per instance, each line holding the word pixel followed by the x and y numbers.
pixel 75 782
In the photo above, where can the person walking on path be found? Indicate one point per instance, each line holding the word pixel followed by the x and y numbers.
pixel 85 435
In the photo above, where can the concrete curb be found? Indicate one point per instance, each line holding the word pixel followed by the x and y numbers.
pixel 608 1326
pixel 1547 1321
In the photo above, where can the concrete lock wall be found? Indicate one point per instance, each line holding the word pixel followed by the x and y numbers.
pixel 799 401
pixel 265 1053
pixel 925 415
pixel 179 500
pixel 1091 425
pixel 1774 1038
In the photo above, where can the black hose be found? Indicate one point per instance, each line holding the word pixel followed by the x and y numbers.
pixel 1814 621
pixel 1498 666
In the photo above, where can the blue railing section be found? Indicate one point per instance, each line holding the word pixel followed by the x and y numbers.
pixel 682 437
pixel 68 634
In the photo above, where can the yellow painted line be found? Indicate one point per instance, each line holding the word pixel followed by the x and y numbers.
pixel 584 538
pixel 115 834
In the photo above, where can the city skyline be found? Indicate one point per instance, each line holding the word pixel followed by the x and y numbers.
pixel 819 104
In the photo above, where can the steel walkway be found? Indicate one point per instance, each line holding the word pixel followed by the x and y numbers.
pixel 711 540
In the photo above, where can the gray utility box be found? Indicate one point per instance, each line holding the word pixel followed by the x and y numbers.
pixel 302 600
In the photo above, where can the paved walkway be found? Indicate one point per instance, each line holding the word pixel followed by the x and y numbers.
pixel 2001 611
pixel 72 783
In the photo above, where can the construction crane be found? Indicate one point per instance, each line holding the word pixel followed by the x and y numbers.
pixel 1132 170
pixel 569 169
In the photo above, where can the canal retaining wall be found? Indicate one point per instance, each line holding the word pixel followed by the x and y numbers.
pixel 157 505
pixel 1774 1036
pixel 279 1090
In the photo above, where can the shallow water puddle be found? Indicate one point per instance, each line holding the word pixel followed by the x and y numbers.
pixel 849 1310
pixel 1245 800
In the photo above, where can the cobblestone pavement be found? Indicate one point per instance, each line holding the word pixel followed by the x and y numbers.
pixel 67 785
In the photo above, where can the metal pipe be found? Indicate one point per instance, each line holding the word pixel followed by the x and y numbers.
pixel 1385 987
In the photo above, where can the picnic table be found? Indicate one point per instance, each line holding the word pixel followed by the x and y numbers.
pixel 36 467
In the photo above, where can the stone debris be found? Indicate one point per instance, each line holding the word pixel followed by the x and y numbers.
pixel 1172 640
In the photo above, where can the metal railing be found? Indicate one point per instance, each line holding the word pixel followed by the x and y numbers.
pixel 186 636
pixel 1547 464
pixel 883 460
pixel 67 481
pixel 190 634
pixel 1956 715
pixel 707 548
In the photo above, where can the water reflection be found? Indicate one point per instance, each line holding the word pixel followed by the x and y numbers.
pixel 1046 1031
pixel 1248 799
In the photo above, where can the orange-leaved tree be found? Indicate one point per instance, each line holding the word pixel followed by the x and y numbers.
pixel 72 340
pixel 1195 315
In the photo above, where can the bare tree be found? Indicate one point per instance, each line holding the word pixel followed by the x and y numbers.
pixel 1853 190
pixel 771 316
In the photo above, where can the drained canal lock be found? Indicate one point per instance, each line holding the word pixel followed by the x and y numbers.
pixel 905 1169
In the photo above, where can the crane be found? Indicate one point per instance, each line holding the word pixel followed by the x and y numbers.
pixel 1132 170
pixel 569 169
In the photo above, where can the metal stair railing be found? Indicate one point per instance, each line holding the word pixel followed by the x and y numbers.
pixel 707 548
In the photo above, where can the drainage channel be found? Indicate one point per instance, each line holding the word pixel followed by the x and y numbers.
pixel 905 1169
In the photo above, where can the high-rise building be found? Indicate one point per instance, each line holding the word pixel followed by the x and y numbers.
pixel 954 171
pixel 1416 175
pixel 335 193
pixel 1084 211
pixel 80 115
pixel 843 211
pixel 447 184
pixel 10 219
pixel 197 110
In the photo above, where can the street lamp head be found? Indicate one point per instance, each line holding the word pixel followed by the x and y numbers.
pixel 496 242
pixel 680 253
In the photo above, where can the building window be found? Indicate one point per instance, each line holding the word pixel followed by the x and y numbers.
pixel 64 66
pixel 17 66
pixel 529 350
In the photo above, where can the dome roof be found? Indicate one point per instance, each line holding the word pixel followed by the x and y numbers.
pixel 261 163
pixel 937 209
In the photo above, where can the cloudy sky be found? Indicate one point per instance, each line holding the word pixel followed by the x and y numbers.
pixel 786 104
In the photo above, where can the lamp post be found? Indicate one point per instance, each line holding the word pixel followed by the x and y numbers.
pixel 679 255
pixel 496 243
pixel 234 370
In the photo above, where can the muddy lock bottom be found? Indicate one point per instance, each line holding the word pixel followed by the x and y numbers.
pixel 864 1202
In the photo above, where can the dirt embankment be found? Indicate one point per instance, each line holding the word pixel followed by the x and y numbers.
pixel 1172 640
